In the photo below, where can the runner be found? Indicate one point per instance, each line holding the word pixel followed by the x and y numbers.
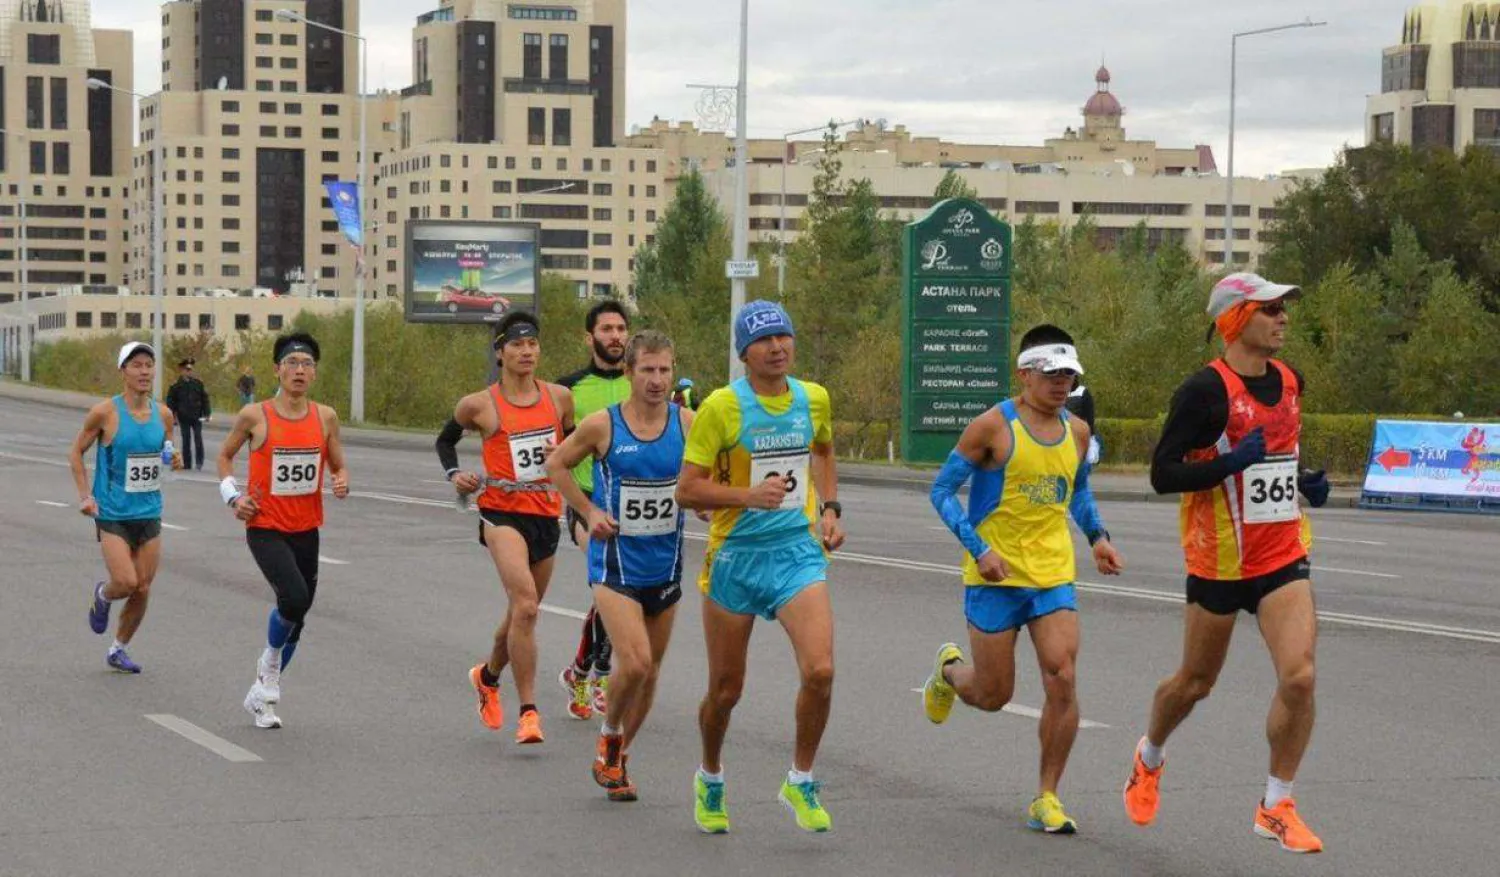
pixel 292 440
pixel 1230 447
pixel 635 539
pixel 521 420
pixel 125 497
pixel 595 387
pixel 751 453
pixel 1028 460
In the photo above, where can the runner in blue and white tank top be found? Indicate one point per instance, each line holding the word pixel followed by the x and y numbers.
pixel 124 496
pixel 635 538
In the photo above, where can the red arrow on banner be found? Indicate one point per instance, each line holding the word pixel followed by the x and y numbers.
pixel 1393 459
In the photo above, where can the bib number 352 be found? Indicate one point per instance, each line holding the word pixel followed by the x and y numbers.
pixel 1271 492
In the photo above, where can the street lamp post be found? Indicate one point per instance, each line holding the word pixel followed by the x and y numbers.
pixel 357 377
pixel 25 279
pixel 158 226
pixel 781 224
pixel 741 190
pixel 1234 47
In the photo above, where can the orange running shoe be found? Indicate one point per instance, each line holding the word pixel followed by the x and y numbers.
pixel 609 769
pixel 529 728
pixel 489 699
pixel 1142 795
pixel 1281 823
pixel 625 791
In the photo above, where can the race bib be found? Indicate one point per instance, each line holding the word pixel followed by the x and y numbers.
pixel 791 465
pixel 1271 491
pixel 528 454
pixel 647 507
pixel 142 473
pixel 295 471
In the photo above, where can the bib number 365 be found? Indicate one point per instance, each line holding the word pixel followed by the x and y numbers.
pixel 1271 492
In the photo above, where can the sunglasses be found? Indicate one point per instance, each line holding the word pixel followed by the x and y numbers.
pixel 1273 308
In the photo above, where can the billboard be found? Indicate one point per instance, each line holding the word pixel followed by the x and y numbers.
pixel 1444 466
pixel 470 272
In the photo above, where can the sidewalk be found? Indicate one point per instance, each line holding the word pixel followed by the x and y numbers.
pixel 1108 486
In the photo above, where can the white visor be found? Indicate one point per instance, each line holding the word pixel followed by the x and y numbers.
pixel 1050 359
pixel 131 348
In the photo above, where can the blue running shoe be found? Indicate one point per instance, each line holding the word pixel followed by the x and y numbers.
pixel 121 662
pixel 99 610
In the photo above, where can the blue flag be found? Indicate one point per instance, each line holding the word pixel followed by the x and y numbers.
pixel 345 200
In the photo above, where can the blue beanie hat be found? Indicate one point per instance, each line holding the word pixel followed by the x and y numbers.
pixel 760 319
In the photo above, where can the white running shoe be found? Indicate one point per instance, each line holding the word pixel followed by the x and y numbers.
pixel 264 713
pixel 268 678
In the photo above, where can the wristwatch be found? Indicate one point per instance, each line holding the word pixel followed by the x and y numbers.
pixel 833 506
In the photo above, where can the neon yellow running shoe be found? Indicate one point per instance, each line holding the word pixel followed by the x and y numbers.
pixel 937 694
pixel 1047 815
pixel 803 800
pixel 708 809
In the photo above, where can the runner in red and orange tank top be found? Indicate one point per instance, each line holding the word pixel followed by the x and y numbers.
pixel 1230 447
pixel 292 440
pixel 521 420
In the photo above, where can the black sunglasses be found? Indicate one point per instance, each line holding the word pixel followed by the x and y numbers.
pixel 1273 308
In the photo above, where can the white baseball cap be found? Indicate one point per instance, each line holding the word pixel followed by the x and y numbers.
pixel 1245 286
pixel 1050 359
pixel 131 348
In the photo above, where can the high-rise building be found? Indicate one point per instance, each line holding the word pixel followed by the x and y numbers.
pixel 66 150
pixel 1440 86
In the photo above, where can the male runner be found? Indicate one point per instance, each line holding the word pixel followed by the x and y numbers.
pixel 597 386
pixel 292 439
pixel 521 420
pixel 1230 447
pixel 635 538
pixel 1028 460
pixel 754 449
pixel 125 497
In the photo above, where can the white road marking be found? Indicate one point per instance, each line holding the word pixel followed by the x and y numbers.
pixel 566 613
pixel 1355 572
pixel 167 526
pixel 1348 541
pixel 217 745
pixel 1032 712
pixel 27 458
pixel 48 502
pixel 335 562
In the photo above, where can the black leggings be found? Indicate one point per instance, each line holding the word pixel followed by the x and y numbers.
pixel 289 561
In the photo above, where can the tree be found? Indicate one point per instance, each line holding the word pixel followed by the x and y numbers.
pixel 1451 359
pixel 1340 342
pixel 690 223
pixel 954 186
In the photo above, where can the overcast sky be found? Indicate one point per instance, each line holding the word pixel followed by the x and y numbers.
pixel 979 71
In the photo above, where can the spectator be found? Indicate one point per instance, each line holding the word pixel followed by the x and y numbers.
pixel 1081 405
pixel 683 395
pixel 246 387
pixel 188 399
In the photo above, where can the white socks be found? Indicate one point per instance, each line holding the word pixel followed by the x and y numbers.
pixel 608 731
pixel 271 658
pixel 797 777
pixel 117 647
pixel 1153 756
pixel 711 777
pixel 1276 791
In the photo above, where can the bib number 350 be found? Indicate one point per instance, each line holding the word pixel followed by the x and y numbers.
pixel 295 473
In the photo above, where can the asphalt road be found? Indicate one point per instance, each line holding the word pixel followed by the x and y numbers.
pixel 383 767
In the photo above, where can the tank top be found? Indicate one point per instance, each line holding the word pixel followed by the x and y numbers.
pixel 778 444
pixel 128 470
pixel 286 472
pixel 1252 523
pixel 515 468
pixel 636 483
pixel 1021 509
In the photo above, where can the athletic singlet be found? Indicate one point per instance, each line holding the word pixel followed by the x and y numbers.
pixel 1252 523
pixel 636 483
pixel 286 472
pixel 515 463
pixel 1021 509
pixel 127 471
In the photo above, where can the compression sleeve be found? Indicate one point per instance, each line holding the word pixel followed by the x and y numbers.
pixel 447 446
pixel 1084 509
pixel 954 475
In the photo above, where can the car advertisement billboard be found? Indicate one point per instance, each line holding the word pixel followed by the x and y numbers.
pixel 470 272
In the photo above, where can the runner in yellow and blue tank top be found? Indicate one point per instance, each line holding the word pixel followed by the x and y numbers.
pixel 1026 463
pixel 759 456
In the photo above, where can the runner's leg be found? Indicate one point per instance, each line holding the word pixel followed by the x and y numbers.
pixel 119 565
pixel 1205 645
pixel 1288 623
pixel 305 551
pixel 146 560
pixel 808 621
pixel 659 633
pixel 515 640
pixel 728 639
pixel 628 620
pixel 1055 637
pixel 988 683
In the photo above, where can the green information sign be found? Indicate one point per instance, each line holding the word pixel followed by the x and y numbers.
pixel 956 334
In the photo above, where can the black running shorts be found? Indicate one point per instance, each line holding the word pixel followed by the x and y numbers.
pixel 541 532
pixel 1226 597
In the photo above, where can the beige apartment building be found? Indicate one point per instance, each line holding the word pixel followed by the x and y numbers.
pixel 1440 86
pixel 65 151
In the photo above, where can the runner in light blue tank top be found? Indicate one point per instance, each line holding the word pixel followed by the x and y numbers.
pixel 128 470
pixel 635 483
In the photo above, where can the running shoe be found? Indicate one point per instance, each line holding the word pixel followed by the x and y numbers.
pixel 601 694
pixel 1046 814
pixel 529 728
pixel 490 711
pixel 608 768
pixel 264 713
pixel 937 694
pixel 268 678
pixel 708 806
pixel 121 661
pixel 99 610
pixel 1282 824
pixel 1142 790
pixel 577 687
pixel 804 801
pixel 624 788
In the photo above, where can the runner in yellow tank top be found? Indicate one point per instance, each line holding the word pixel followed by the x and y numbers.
pixel 1025 460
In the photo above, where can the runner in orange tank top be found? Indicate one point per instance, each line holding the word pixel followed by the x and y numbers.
pixel 521 420
pixel 292 439
pixel 1230 446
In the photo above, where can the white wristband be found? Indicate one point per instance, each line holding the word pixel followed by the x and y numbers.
pixel 229 491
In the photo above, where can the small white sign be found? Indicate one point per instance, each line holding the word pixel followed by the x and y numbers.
pixel 746 270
